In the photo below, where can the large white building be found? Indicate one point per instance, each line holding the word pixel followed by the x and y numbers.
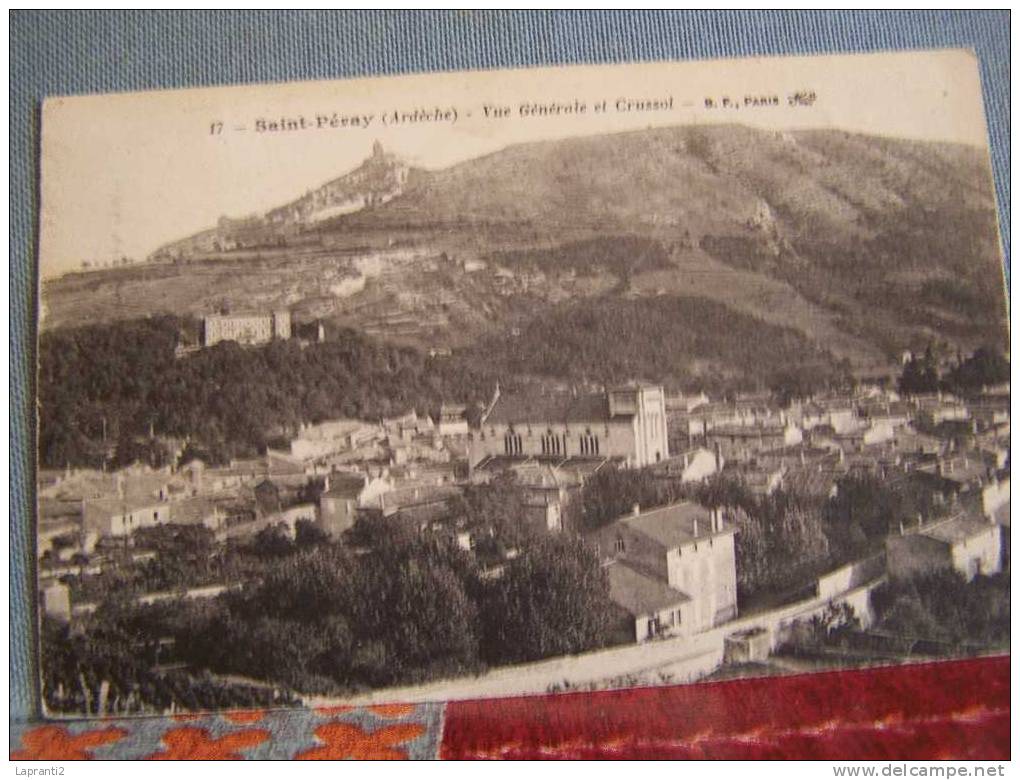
pixel 246 328
pixel 624 423
pixel 123 516
pixel 672 569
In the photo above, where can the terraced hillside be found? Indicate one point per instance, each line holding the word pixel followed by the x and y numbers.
pixel 863 245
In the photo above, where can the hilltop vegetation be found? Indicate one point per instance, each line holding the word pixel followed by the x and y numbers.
pixel 680 341
pixel 620 255
pixel 103 387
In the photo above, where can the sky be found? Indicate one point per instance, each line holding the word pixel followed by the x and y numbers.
pixel 123 174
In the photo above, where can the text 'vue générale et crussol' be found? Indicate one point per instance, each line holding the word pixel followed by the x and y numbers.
pixel 576 107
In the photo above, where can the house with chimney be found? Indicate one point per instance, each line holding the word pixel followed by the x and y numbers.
pixel 139 500
pixel 692 464
pixel 813 414
pixel 957 475
pixel 344 494
pixel 197 510
pixel 966 541
pixel 121 516
pixel 672 570
pixel 743 442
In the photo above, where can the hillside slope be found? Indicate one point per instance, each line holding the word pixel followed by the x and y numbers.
pixel 895 238
pixel 864 245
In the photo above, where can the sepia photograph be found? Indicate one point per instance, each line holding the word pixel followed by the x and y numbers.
pixel 496 383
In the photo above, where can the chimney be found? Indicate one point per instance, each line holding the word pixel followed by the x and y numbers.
pixel 635 509
pixel 716 520
pixel 695 528
pixel 120 486
pixel 901 528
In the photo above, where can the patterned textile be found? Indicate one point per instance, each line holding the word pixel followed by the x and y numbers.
pixel 401 731
pixel 951 710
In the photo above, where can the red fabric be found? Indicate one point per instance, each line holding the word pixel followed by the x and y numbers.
pixel 946 710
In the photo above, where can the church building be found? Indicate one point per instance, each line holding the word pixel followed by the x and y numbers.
pixel 627 424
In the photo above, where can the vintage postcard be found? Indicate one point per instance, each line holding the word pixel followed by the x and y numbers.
pixel 474 384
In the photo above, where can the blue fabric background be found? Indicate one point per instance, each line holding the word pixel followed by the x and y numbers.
pixel 71 52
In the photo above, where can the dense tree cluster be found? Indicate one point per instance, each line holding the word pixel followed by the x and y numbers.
pixel 782 540
pixel 108 393
pixel 920 375
pixel 553 599
pixel 987 366
pixel 621 256
pixel 103 387
pixel 118 667
pixel 391 606
pixel 185 557
pixel 677 340
pixel 613 491
pixel 866 509
pixel 943 606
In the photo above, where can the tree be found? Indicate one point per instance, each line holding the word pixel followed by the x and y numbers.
pixel 272 541
pixel 497 509
pixel 422 613
pixel 612 492
pixel 920 375
pixel 306 587
pixel 987 366
pixel 552 600
pixel 379 532
pixel 308 534
pixel 408 607
pixel 755 569
pixel 801 536
pixel 176 540
pixel 908 617
pixel 781 540
pixel 869 504
pixel 941 604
